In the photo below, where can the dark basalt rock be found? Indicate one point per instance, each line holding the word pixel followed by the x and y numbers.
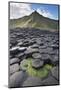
pixel 34 46
pixel 17 79
pixel 14 68
pixel 54 59
pixel 14 60
pixel 37 63
pixel 45 58
pixel 14 51
pixel 50 81
pixel 32 81
pixel 55 72
pixel 30 51
pixel 40 45
pixel 36 55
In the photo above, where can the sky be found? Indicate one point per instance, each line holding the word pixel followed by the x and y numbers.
pixel 18 10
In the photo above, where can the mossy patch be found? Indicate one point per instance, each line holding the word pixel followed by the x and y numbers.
pixel 41 72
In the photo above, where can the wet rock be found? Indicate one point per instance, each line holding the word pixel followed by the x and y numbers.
pixel 35 46
pixel 54 46
pixel 14 50
pixel 14 68
pixel 22 49
pixel 20 43
pixel 17 79
pixel 37 63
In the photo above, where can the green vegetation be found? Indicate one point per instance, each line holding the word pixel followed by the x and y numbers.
pixel 35 20
pixel 42 72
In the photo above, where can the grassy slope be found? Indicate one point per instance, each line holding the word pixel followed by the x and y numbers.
pixel 34 20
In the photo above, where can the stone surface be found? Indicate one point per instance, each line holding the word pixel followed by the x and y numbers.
pixel 54 59
pixel 37 63
pixel 36 55
pixel 32 81
pixel 14 60
pixel 17 79
pixel 40 45
pixel 14 68
pixel 29 51
pixel 50 81
pixel 55 72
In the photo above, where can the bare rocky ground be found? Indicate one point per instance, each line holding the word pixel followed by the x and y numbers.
pixel 42 47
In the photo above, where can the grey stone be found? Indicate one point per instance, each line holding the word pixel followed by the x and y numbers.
pixel 14 50
pixel 50 81
pixel 45 56
pixel 23 65
pixel 20 55
pixel 37 63
pixel 32 81
pixel 36 55
pixel 30 50
pixel 54 59
pixel 35 46
pixel 14 68
pixel 17 79
pixel 14 60
pixel 55 72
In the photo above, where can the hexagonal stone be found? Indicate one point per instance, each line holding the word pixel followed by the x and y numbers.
pixel 36 55
pixel 54 59
pixel 30 51
pixel 50 81
pixel 17 79
pixel 45 56
pixel 22 49
pixel 32 81
pixel 37 63
pixel 20 55
pixel 38 41
pixel 55 72
pixel 14 60
pixel 14 68
pixel 22 65
pixel 34 46
pixel 14 50
pixel 20 43
pixel 55 46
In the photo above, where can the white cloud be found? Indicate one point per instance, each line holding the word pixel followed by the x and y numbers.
pixel 18 10
pixel 45 13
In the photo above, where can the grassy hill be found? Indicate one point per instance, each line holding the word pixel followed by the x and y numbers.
pixel 34 20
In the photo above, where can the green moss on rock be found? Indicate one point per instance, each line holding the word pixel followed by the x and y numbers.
pixel 41 72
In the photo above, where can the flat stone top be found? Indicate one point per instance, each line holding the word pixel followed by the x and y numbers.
pixel 36 55
pixel 37 63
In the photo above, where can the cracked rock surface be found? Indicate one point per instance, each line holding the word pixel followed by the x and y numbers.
pixel 42 47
